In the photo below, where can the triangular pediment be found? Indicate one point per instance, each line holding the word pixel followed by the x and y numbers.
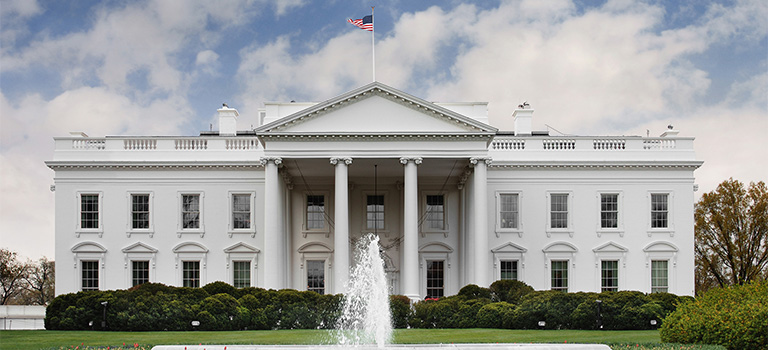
pixel 610 247
pixel 375 109
pixel 241 248
pixel 509 247
pixel 139 247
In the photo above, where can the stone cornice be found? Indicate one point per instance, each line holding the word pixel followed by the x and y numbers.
pixel 469 136
pixel 55 165
pixel 691 165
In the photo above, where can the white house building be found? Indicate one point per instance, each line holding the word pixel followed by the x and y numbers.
pixel 454 201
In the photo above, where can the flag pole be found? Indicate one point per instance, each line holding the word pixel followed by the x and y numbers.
pixel 373 45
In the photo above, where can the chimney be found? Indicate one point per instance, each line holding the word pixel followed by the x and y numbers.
pixel 671 132
pixel 227 121
pixel 523 117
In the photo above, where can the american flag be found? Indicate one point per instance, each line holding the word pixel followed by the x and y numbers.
pixel 365 23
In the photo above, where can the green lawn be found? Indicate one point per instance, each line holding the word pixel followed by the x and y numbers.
pixel 71 339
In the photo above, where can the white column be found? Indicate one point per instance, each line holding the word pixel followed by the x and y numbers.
pixel 480 186
pixel 410 268
pixel 273 217
pixel 341 225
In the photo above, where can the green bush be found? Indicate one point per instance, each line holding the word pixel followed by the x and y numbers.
pixel 734 317
pixel 400 308
pixel 492 315
pixel 509 291
pixel 473 291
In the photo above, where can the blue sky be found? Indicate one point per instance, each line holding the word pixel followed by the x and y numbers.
pixel 162 67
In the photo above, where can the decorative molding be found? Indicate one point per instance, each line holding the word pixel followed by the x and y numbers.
pixel 95 165
pixel 415 160
pixel 473 161
pixel 336 160
pixel 463 179
pixel 276 160
pixel 599 165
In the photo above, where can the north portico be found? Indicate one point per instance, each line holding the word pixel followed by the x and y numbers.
pixel 453 200
pixel 376 154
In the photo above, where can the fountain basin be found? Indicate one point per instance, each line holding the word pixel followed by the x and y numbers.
pixel 502 346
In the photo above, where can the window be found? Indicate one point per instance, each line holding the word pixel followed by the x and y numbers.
pixel 560 275
pixel 659 276
pixel 140 211
pixel 609 275
pixel 508 211
pixel 435 212
pixel 316 276
pixel 435 278
pixel 558 210
pixel 375 212
pixel 609 210
pixel 190 211
pixel 241 211
pixel 191 274
pixel 315 212
pixel 90 274
pixel 89 211
pixel 242 274
pixel 509 269
pixel 659 210
pixel 140 272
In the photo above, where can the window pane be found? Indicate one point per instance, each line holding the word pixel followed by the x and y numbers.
pixel 315 212
pixel 190 211
pixel 659 276
pixel 609 275
pixel 241 211
pixel 560 275
pixel 242 274
pixel 435 215
pixel 89 211
pixel 140 271
pixel 316 276
pixel 508 212
pixel 509 269
pixel 140 211
pixel 659 210
pixel 559 211
pixel 90 275
pixel 435 279
pixel 191 274
pixel 375 212
pixel 609 211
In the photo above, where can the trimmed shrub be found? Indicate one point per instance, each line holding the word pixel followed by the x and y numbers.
pixel 734 317
pixel 400 308
pixel 509 291
pixel 492 315
pixel 473 291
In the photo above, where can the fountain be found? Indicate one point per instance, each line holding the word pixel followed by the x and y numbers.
pixel 366 323
pixel 365 317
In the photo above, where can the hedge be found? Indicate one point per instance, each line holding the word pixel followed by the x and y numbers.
pixel 735 317
pixel 219 306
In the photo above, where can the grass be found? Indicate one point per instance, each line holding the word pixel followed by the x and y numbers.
pixel 145 340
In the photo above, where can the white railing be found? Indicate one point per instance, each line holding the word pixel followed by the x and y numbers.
pixel 139 144
pixel 558 144
pixel 89 144
pixel 191 144
pixel 659 143
pixel 241 144
pixel 609 144
pixel 508 144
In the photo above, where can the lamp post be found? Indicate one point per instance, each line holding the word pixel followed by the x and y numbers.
pixel 104 317
pixel 599 314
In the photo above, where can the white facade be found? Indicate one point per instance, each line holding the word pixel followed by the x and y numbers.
pixel 453 200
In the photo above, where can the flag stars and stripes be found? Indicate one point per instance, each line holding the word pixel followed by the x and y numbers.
pixel 365 23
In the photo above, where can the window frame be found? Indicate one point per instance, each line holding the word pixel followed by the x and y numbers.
pixel 569 213
pixel 567 279
pixel 320 290
pixel 238 278
pixel 365 228
pixel 667 277
pixel 603 278
pixel 129 229
pixel 619 213
pixel 89 251
pixel 252 215
pixel 191 251
pixel 79 229
pixel 180 229
pixel 97 270
pixel 662 250
pixel 670 228
pixel 515 269
pixel 133 271
pixel 424 220
pixel 317 251
pixel 184 263
pixel 242 252
pixel 327 210
pixel 499 228
pixel 443 269
pixel 506 252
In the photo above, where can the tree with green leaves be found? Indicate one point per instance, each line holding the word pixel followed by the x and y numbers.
pixel 731 235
